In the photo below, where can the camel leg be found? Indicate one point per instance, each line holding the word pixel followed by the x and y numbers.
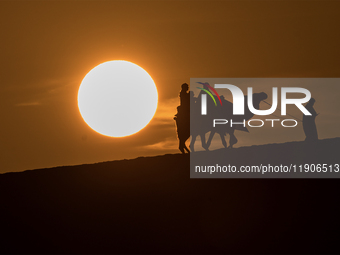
pixel 183 147
pixel 204 144
pixel 233 139
pixel 212 133
pixel 192 143
pixel 186 148
pixel 223 140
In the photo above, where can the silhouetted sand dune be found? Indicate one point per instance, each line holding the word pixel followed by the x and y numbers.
pixel 150 205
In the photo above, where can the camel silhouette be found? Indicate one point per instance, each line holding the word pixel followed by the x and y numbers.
pixel 199 125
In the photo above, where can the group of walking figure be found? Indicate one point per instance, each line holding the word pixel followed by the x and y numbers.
pixel 200 125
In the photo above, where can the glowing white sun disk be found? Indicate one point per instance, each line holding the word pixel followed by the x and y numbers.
pixel 117 98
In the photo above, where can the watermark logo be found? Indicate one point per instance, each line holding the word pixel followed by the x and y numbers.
pixel 239 102
pixel 251 103
pixel 262 127
pixel 206 89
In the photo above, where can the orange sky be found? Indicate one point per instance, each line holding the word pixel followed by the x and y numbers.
pixel 48 47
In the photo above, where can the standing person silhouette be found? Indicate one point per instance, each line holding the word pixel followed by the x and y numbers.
pixel 184 96
pixel 182 118
pixel 308 122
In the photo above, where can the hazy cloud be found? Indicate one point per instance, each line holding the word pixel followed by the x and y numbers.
pixel 169 144
pixel 167 109
pixel 28 104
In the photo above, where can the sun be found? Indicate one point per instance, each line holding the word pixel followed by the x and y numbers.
pixel 117 98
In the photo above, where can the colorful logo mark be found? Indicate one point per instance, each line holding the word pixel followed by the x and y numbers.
pixel 209 93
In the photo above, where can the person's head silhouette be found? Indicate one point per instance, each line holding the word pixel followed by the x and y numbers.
pixel 263 96
pixel 206 85
pixel 185 87
pixel 260 96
